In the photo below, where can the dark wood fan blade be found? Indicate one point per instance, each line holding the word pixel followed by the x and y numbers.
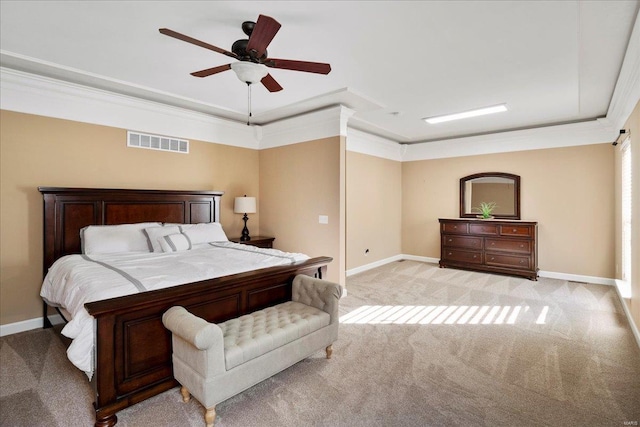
pixel 264 31
pixel 271 84
pixel 211 71
pixel 308 67
pixel 176 35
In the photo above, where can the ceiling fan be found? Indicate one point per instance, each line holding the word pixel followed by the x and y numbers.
pixel 252 55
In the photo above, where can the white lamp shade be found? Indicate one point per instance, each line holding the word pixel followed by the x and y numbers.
pixel 249 72
pixel 244 205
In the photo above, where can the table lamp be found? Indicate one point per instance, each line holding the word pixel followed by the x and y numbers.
pixel 245 205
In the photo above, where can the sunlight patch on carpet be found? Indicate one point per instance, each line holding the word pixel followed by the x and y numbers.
pixel 441 315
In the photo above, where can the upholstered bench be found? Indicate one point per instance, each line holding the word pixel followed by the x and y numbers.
pixel 214 362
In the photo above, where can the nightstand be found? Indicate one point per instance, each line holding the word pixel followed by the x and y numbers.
pixel 259 241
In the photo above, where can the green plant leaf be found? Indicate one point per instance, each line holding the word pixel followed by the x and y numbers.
pixel 486 209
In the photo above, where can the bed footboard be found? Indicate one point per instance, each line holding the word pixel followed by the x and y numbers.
pixel 133 349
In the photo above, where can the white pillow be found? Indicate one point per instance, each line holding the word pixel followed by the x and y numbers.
pixel 175 243
pixel 106 239
pixel 204 232
pixel 154 233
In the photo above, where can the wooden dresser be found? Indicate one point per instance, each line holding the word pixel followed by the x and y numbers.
pixel 494 246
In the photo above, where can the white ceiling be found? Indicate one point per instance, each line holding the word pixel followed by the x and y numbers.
pixel 551 62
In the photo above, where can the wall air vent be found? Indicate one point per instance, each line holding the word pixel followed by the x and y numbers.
pixel 157 142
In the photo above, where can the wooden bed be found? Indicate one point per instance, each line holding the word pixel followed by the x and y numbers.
pixel 133 349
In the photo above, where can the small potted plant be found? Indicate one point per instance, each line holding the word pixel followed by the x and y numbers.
pixel 486 209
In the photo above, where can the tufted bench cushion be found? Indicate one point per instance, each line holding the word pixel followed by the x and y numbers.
pixel 255 334
pixel 214 362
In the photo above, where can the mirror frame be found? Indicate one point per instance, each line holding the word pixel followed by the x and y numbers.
pixel 516 195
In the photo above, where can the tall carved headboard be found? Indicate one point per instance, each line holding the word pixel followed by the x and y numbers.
pixel 67 210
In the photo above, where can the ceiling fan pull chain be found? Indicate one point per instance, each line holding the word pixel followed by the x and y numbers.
pixel 248 103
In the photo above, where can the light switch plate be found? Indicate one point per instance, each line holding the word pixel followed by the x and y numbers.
pixel 323 219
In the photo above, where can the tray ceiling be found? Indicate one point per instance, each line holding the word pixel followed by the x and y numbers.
pixel 392 62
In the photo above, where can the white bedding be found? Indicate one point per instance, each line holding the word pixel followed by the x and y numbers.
pixel 74 280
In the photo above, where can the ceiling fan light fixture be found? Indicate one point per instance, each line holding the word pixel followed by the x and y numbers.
pixel 249 72
pixel 466 114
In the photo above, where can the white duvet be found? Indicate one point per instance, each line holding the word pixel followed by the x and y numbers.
pixel 74 280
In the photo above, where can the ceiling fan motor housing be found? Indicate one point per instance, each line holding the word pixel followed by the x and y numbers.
pixel 239 47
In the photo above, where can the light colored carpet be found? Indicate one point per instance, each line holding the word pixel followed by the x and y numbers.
pixel 418 346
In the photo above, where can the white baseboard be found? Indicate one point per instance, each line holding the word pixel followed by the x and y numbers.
pixel 394 258
pixel 27 325
pixel 627 313
pixel 421 258
pixel 577 278
pixel 549 274
pixel 375 264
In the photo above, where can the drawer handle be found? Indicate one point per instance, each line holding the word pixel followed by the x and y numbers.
pixel 514 230
pixel 451 240
pixel 493 243
pixel 492 258
pixel 449 254
pixel 455 226
pixel 522 246
pixel 475 256
pixel 521 261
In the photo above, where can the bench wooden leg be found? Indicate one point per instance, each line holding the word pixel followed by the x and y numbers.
pixel 329 351
pixel 210 416
pixel 186 396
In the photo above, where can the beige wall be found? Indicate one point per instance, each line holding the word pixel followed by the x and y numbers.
pixel 374 201
pixel 632 124
pixel 569 191
pixel 39 151
pixel 297 184
pixel 391 207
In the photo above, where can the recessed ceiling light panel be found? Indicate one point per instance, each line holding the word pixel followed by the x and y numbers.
pixel 466 114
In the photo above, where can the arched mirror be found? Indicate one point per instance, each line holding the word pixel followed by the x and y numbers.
pixel 502 189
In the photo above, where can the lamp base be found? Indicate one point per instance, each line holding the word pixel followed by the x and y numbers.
pixel 245 231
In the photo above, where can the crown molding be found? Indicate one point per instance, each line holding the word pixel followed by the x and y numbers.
pixel 60 72
pixel 626 94
pixel 585 133
pixel 33 94
pixel 372 145
pixel 314 125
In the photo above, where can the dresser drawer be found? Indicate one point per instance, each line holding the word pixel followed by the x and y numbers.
pixel 511 261
pixel 488 229
pixel 463 256
pixel 523 246
pixel 468 242
pixel 455 227
pixel 516 230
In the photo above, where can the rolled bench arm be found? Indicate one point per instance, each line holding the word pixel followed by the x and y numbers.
pixel 194 330
pixel 318 293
